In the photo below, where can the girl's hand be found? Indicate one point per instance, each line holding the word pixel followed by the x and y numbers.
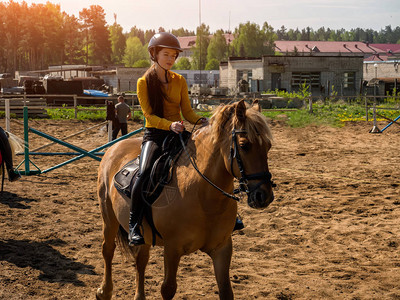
pixel 177 127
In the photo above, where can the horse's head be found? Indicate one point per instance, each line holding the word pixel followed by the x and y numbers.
pixel 246 132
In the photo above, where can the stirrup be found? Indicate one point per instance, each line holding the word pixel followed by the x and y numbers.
pixel 134 237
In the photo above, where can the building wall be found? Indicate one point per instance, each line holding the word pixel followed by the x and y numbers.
pixel 126 79
pixel 289 72
pixel 383 69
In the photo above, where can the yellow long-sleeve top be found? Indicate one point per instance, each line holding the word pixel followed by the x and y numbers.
pixel 178 101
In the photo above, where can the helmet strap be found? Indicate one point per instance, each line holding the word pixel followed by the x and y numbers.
pixel 166 71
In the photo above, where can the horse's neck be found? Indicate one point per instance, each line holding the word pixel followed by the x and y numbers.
pixel 210 161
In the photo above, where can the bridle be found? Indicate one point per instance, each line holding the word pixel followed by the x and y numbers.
pixel 265 177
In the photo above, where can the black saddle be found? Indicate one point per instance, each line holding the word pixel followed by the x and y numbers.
pixel 161 172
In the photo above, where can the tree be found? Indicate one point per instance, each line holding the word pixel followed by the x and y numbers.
pixel 148 35
pixel 118 43
pixel 138 33
pixel 218 48
pixel 98 45
pixel 253 41
pixel 182 64
pixel 142 63
pixel 134 51
pixel 73 40
pixel 212 64
pixel 282 34
pixel 200 50
pixel 182 32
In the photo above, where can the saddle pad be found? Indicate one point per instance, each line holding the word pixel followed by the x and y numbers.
pixel 123 179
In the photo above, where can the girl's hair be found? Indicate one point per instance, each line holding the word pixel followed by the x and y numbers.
pixel 155 89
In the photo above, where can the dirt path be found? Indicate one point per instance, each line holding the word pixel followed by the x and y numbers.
pixel 332 232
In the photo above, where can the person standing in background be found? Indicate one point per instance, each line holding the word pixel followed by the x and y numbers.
pixel 122 115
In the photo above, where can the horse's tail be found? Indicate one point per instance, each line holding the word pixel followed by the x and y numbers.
pixel 122 242
pixel 16 143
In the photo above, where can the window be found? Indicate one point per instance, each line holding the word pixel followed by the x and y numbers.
pixel 310 78
pixel 200 80
pixel 349 79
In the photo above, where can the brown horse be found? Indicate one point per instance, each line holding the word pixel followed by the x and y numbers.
pixel 191 213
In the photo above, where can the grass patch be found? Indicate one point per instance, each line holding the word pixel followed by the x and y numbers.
pixel 329 113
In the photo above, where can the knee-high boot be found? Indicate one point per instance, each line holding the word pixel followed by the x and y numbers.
pixel 147 156
pixel 5 149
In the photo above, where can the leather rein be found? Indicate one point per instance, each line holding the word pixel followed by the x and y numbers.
pixel 265 177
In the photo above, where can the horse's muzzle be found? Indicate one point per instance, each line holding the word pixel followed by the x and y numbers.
pixel 260 198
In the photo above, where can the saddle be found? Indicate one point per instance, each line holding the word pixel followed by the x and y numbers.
pixel 161 172
pixel 160 176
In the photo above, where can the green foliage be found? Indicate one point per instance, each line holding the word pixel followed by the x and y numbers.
pixel 134 51
pixel 304 91
pixel 212 64
pixel 96 35
pixel 393 97
pixel 69 113
pixel 182 32
pixel 183 63
pixel 199 60
pixel 253 41
pixel 118 43
pixel 142 63
pixel 302 94
pixel 218 48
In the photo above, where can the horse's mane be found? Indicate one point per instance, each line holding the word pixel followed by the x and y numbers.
pixel 224 120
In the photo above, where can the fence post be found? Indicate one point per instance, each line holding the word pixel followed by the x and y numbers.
pixel 76 106
pixel 375 128
pixel 7 111
pixel 366 108
pixel 310 108
pixel 109 130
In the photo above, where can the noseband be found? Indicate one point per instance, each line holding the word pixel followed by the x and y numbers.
pixel 265 177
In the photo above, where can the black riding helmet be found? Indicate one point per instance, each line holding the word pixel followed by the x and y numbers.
pixel 163 40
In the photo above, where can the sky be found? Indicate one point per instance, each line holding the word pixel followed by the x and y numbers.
pixel 228 14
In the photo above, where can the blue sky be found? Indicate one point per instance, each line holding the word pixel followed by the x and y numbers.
pixel 225 14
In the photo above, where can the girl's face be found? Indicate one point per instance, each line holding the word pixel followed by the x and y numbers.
pixel 166 58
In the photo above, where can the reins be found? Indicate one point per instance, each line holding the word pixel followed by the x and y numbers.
pixel 243 180
pixel 201 174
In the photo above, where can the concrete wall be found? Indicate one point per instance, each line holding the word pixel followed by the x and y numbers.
pixel 329 71
pixel 126 79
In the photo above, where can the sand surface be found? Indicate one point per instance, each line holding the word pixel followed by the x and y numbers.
pixel 332 233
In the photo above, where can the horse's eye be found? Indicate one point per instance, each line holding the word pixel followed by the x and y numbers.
pixel 245 146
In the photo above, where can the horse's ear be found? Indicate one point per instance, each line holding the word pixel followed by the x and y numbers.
pixel 256 105
pixel 240 111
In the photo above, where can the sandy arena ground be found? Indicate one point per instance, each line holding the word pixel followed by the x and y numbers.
pixel 332 232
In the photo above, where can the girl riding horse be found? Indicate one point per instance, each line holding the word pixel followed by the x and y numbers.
pixel 196 210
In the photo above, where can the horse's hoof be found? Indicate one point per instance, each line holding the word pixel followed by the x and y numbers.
pixel 100 295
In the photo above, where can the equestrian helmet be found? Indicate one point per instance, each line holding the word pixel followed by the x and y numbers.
pixel 163 40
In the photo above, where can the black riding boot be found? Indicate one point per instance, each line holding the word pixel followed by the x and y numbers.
pixel 135 221
pixel 6 152
pixel 149 152
pixel 238 224
pixel 12 175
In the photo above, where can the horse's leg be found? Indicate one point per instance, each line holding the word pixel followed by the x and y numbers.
pixel 222 260
pixel 109 233
pixel 142 258
pixel 171 262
